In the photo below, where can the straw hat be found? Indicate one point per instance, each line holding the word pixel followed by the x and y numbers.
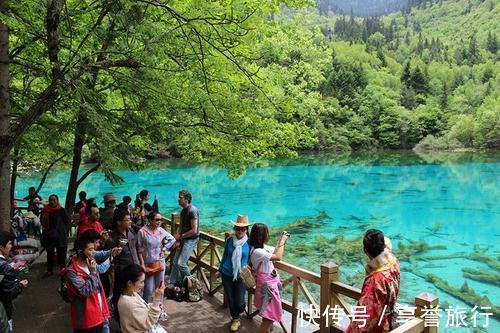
pixel 241 221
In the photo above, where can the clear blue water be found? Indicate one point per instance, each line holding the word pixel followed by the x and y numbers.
pixel 404 195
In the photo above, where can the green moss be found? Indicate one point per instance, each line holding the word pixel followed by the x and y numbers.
pixel 482 275
pixel 491 262
pixel 414 250
pixel 303 225
pixel 464 293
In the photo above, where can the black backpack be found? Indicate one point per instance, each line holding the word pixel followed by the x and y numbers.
pixel 63 288
pixel 177 292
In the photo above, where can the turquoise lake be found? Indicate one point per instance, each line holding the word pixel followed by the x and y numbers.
pixel 443 199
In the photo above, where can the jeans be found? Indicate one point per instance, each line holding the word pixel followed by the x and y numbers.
pixel 151 282
pixel 235 292
pixel 181 260
pixel 105 326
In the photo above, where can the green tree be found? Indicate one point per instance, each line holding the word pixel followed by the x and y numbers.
pixel 408 98
pixel 113 70
pixel 406 74
pixel 419 82
pixel 345 81
pixel 473 56
pixel 491 42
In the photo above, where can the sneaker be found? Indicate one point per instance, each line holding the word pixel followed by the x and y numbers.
pixel 235 325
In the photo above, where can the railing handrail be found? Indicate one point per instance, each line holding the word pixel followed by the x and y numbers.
pixel 328 281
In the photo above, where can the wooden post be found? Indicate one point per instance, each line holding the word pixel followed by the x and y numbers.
pixel 176 217
pixel 212 263
pixel 422 301
pixel 225 302
pixel 329 274
pixel 295 302
pixel 198 257
pixel 176 220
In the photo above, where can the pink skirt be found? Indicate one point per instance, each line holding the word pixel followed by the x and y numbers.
pixel 267 296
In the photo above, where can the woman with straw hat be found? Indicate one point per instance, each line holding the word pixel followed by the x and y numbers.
pixel 236 252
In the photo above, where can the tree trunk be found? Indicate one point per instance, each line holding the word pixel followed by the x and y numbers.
pixel 5 202
pixel 80 131
pixel 13 176
pixel 80 134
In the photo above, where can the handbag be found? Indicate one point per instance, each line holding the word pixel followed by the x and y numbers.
pixel 153 268
pixel 247 273
pixel 247 277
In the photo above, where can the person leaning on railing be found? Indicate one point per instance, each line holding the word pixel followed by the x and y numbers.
pixel 381 286
pixel 267 294
pixel 236 252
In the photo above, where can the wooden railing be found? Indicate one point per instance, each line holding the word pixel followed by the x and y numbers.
pixel 331 291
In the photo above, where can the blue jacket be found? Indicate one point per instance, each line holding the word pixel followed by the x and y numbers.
pixel 226 264
pixel 103 259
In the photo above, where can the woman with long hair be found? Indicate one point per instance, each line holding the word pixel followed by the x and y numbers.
pixel 152 241
pixel 267 290
pixel 143 208
pixel 131 311
pixel 55 224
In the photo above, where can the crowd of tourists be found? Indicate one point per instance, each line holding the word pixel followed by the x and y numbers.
pixel 115 277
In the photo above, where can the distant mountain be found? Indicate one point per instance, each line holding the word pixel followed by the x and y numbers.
pixel 361 7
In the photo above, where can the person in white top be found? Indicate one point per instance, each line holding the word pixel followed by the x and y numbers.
pixel 267 290
pixel 131 311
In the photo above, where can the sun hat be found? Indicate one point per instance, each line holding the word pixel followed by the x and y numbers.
pixel 241 221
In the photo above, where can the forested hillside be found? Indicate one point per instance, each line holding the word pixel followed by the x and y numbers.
pixel 234 82
pixel 427 75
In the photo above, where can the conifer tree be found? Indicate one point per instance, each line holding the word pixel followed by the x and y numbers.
pixel 406 74
pixel 418 82
pixel 408 98
pixel 473 54
pixel 491 43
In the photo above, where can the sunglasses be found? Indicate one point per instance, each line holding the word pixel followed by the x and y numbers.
pixel 158 219
pixel 240 229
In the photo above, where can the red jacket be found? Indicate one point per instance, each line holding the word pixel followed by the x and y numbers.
pixel 380 290
pixel 86 309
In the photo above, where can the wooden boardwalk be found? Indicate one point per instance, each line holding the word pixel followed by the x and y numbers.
pixel 39 309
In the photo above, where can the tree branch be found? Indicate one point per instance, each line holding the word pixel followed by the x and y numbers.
pixel 86 174
pixel 45 174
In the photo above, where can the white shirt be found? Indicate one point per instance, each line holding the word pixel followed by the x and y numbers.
pixel 262 256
